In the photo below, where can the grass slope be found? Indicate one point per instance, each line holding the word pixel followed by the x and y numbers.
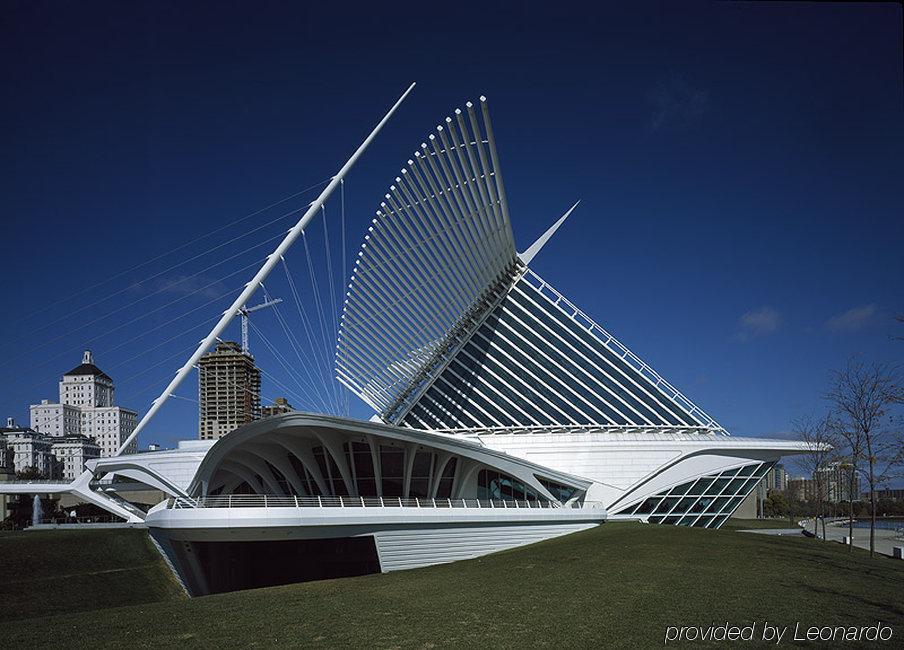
pixel 750 524
pixel 620 584
pixel 50 572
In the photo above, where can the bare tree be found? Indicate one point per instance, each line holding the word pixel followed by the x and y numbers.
pixel 863 395
pixel 818 435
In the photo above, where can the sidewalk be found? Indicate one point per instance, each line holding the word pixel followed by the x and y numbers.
pixel 836 531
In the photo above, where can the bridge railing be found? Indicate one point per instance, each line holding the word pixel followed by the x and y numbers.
pixel 278 501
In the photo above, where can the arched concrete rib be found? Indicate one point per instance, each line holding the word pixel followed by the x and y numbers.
pixel 297 431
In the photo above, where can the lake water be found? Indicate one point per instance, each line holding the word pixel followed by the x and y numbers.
pixel 890 524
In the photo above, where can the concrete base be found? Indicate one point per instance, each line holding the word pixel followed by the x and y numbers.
pixel 198 540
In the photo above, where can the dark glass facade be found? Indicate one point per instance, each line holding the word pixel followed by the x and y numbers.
pixel 705 502
pixel 530 363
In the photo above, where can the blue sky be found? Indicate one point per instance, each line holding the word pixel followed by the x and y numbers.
pixel 739 167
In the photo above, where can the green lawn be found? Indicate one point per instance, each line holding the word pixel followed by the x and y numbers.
pixel 618 584
pixel 748 524
pixel 55 571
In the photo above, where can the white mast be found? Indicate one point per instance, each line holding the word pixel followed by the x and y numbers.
pixel 261 275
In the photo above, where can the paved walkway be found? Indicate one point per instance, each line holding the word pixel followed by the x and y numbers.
pixel 775 531
pixel 836 531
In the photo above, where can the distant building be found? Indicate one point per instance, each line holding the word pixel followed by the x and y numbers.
pixel 280 405
pixel 29 449
pixel 801 489
pixel 837 482
pixel 86 407
pixel 776 480
pixel 6 454
pixel 894 495
pixel 71 453
pixel 7 472
pixel 229 390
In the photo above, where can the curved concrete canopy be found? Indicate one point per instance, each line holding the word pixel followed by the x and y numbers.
pixel 253 451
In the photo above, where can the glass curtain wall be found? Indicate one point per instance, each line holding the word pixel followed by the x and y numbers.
pixel 706 502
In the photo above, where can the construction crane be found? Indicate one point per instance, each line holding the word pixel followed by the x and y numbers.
pixel 244 310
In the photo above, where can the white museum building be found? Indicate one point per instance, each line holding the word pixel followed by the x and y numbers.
pixel 503 414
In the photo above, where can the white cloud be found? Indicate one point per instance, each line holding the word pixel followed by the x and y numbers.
pixel 757 322
pixel 852 320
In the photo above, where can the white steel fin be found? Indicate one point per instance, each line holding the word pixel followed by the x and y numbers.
pixel 534 248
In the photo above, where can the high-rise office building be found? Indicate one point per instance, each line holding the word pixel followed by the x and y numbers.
pixel 229 390
pixel 776 480
pixel 835 481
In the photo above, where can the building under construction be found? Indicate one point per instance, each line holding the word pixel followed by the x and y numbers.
pixel 279 406
pixel 229 390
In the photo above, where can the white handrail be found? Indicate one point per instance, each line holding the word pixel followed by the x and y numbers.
pixel 295 501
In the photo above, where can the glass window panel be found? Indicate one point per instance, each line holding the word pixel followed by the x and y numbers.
pixel 498 380
pixel 671 520
pixel 339 487
pixel 682 489
pixel 549 386
pixel 418 488
pixel 685 504
pixel 422 465
pixel 363 460
pixel 554 372
pixel 425 414
pixel 392 462
pixel 718 486
pixel 321 463
pixel 687 520
pixel 559 492
pixel 568 325
pixel 747 470
pixel 444 407
pixel 763 469
pixel 703 485
pixel 718 521
pixel 748 487
pixel 471 393
pixel 655 520
pixel 647 506
pixel 666 505
pixel 732 504
pixel 717 505
pixel 542 382
pixel 367 487
pixel 701 504
pixel 735 485
pixel 444 488
pixel 703 521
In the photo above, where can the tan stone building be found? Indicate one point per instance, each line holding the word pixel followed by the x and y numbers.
pixel 229 390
